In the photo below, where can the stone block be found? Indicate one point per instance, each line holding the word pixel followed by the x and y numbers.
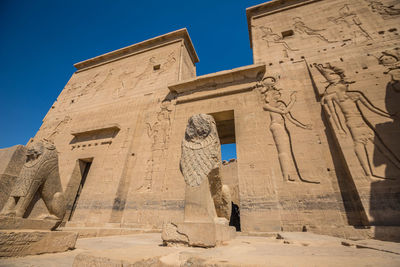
pixel 9 223
pixel 11 161
pixel 197 234
pixel 17 243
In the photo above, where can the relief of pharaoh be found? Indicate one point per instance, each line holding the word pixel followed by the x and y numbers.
pixel 337 94
pixel 39 174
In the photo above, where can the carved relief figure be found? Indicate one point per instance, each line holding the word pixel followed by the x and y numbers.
pixel 280 113
pixel 362 132
pixel 107 82
pixel 59 127
pixel 391 60
pixel 272 38
pixel 302 28
pixel 39 173
pixel 386 11
pixel 158 131
pixel 128 80
pixel 352 22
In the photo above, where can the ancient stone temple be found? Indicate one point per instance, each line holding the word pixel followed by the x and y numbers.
pixel 315 121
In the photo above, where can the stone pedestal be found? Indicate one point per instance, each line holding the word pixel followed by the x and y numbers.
pixel 16 243
pixel 197 234
pixel 205 202
pixel 9 223
pixel 21 237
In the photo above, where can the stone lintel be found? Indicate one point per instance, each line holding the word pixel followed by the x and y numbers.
pixel 92 130
pixel 177 35
pixel 251 72
pixel 270 8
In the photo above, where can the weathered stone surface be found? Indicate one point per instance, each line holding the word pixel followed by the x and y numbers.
pixel 230 179
pixel 11 161
pixel 8 223
pixel 299 249
pixel 40 175
pixel 315 122
pixel 170 233
pixel 24 242
pixel 207 201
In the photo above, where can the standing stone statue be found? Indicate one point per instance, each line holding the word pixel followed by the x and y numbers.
pixel 205 199
pixel 39 174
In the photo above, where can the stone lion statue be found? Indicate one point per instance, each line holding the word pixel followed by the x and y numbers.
pixel 39 174
pixel 201 159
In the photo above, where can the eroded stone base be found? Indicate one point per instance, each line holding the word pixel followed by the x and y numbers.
pixel 197 234
pixel 15 243
pixel 8 223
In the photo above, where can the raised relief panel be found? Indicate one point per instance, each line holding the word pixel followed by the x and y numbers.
pixel 156 66
pixel 350 25
pixel 390 59
pixel 386 9
pixel 280 115
pixel 310 31
pixel 158 130
pixel 271 38
pixel 298 31
pixel 339 101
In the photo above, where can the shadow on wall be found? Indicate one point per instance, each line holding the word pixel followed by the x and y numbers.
pixel 355 213
pixel 353 208
pixel 385 193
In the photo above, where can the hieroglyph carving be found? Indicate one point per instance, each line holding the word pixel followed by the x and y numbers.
pixel 128 80
pixel 391 60
pixel 280 113
pixel 159 132
pixel 272 38
pixel 362 132
pixel 58 128
pixel 351 22
pixel 301 28
pixel 39 173
pixel 386 11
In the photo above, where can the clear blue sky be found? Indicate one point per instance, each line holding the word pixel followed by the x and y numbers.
pixel 41 40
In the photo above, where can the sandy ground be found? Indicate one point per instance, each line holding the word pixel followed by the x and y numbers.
pixel 290 249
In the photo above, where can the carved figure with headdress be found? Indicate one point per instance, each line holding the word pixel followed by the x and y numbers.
pixel 280 113
pixel 39 174
pixel 362 132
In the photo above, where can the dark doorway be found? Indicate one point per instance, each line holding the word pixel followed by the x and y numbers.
pixel 235 217
pixel 225 122
pixel 75 186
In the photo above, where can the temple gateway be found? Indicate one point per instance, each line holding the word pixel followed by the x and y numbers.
pixel 315 120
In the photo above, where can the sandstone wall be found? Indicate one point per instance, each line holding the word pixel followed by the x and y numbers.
pixel 11 161
pixel 115 114
pixel 361 38
pixel 231 179
pixel 329 161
